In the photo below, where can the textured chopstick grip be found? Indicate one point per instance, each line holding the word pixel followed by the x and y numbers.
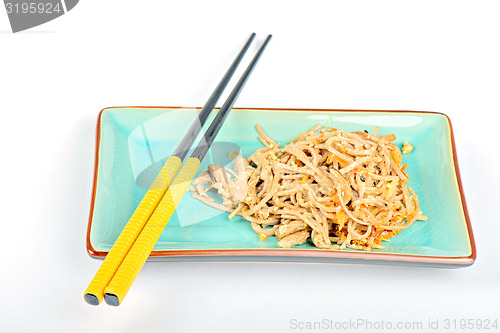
pixel 138 254
pixel 95 292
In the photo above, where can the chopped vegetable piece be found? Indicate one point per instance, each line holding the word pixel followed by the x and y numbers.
pixel 407 148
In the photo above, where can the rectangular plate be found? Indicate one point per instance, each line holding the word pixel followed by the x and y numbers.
pixel 134 142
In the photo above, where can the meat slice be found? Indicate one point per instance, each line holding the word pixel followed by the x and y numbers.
pixel 297 238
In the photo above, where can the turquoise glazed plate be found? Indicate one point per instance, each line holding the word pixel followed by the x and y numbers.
pixel 134 142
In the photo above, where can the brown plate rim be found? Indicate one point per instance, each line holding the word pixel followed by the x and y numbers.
pixel 390 257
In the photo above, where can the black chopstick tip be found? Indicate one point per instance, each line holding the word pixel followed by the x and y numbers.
pixel 111 299
pixel 91 299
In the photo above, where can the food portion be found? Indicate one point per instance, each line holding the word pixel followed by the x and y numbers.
pixel 339 189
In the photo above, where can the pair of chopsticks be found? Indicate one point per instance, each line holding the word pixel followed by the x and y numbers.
pixel 136 241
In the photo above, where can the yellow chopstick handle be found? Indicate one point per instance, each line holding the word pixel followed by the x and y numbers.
pixel 95 291
pixel 138 254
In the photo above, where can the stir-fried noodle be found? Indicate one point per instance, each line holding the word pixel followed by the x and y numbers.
pixel 341 189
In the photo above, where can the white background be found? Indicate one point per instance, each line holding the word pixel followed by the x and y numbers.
pixel 54 79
